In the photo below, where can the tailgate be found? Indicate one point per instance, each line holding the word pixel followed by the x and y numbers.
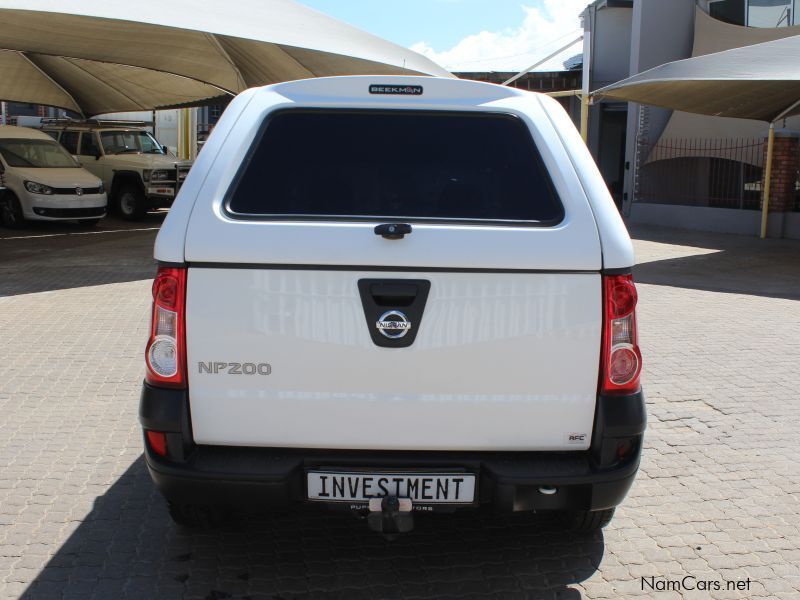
pixel 500 361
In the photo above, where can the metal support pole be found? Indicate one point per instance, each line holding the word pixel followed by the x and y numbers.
pixel 585 118
pixel 586 80
pixel 187 134
pixel 184 134
pixel 767 180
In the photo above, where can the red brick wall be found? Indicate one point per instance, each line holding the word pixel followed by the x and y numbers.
pixel 785 165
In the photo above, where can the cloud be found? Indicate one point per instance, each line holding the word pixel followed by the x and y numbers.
pixel 544 29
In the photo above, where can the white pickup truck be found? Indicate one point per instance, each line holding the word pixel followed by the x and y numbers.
pixel 389 295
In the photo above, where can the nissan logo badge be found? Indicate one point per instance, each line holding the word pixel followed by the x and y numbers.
pixel 393 324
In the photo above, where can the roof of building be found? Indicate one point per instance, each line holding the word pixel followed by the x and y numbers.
pixel 574 63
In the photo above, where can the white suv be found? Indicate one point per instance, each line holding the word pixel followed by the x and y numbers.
pixel 40 181
pixel 136 169
pixel 394 294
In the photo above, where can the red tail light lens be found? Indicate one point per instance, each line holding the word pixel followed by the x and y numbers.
pixel 158 442
pixel 621 360
pixel 166 349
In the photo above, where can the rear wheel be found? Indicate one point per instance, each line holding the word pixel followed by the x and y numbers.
pixel 130 202
pixel 11 211
pixel 587 520
pixel 193 516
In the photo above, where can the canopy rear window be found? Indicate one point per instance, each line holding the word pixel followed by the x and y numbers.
pixel 409 165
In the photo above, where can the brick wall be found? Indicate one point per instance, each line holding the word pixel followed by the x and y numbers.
pixel 785 165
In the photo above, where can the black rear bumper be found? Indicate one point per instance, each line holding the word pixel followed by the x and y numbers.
pixel 508 481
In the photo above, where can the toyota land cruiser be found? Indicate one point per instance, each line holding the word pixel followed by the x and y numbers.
pixel 389 295
pixel 137 171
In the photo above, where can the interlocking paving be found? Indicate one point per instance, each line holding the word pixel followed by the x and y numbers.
pixel 717 497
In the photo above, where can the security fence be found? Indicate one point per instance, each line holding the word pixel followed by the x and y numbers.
pixel 720 173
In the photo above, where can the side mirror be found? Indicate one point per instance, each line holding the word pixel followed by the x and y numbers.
pixel 97 154
pixel 165 150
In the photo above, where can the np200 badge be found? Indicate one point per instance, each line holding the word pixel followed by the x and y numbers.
pixel 234 368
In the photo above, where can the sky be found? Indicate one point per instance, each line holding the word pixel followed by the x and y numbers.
pixel 469 35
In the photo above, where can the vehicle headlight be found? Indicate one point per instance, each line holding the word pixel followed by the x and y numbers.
pixel 146 175
pixel 101 188
pixel 38 188
pixel 159 175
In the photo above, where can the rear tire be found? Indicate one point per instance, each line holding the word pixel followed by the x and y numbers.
pixel 130 202
pixel 586 520
pixel 193 516
pixel 11 212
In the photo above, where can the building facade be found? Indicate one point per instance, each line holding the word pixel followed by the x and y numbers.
pixel 672 168
pixel 544 82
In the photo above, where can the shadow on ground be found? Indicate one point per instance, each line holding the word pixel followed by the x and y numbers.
pixel 719 262
pixel 127 547
pixel 52 256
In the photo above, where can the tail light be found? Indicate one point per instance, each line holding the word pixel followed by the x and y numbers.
pixel 621 360
pixel 166 349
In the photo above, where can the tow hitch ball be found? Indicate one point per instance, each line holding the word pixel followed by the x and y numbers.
pixel 390 515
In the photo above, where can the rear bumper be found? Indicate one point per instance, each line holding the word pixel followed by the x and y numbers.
pixel 508 481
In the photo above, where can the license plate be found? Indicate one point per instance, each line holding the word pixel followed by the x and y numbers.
pixel 421 488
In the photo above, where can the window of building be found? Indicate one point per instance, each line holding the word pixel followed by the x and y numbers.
pixel 729 11
pixel 755 13
pixel 770 13
pixel 214 112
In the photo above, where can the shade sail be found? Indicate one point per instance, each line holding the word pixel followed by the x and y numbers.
pixel 117 55
pixel 760 82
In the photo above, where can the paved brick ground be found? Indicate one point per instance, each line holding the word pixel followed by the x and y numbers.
pixel 718 496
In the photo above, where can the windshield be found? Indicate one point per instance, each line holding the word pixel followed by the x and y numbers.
pixel 37 154
pixel 118 142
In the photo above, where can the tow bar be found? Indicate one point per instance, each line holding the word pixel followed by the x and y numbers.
pixel 390 515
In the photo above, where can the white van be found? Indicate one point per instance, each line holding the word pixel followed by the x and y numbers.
pixel 40 181
pixel 389 295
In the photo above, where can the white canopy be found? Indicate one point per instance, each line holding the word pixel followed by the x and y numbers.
pixel 759 82
pixel 118 55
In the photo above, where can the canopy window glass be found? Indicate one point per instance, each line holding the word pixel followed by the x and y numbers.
pixel 436 166
pixel 755 13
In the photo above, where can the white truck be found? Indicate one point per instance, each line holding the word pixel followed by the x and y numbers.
pixel 138 172
pixel 389 295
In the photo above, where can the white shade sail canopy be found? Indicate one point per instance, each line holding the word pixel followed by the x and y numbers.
pixel 117 55
pixel 759 82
